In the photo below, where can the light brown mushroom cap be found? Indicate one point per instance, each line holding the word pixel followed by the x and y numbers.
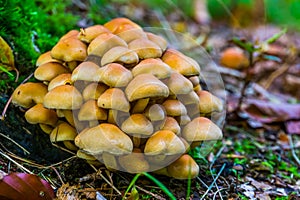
pixel 184 167
pixel 200 129
pixel 90 111
pixel 130 33
pixel 45 58
pixel 189 98
pixel 104 138
pixel 137 125
pixel 119 54
pixel 62 79
pixel 86 71
pixel 114 98
pixel 63 132
pixel 115 75
pixel 104 42
pixel 134 162
pixel 63 97
pixel 29 94
pixel 209 103
pixel 145 48
pixel 183 119
pixel 172 125
pixel 117 25
pixel 50 70
pixel 70 34
pixel 144 86
pixel 164 142
pixel 155 112
pixel 174 107
pixel 84 155
pixel 181 63
pixel 46 128
pixel 39 114
pixel 69 49
pixel 178 84
pixel 160 41
pixel 152 66
pixel 93 91
pixel 90 33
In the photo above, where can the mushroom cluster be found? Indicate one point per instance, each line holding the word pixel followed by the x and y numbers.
pixel 117 94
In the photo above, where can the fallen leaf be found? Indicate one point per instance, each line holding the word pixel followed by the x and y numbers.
pixel 6 56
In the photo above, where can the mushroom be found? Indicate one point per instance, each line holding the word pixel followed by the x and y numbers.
pixel 234 57
pixel 63 97
pixel 181 63
pixel 48 71
pixel 62 79
pixel 28 94
pixel 119 54
pixel 104 42
pixel 116 25
pixel 104 138
pixel 38 114
pixel 45 58
pixel 115 75
pixel 137 125
pixel 160 41
pixel 178 84
pixel 140 105
pixel 89 111
pixel 93 91
pixel 90 33
pixel 200 129
pixel 130 33
pixel 174 107
pixel 144 86
pixel 184 167
pixel 209 103
pixel 70 34
pixel 134 162
pixel 145 48
pixel 114 98
pixel 152 66
pixel 171 124
pixel 86 71
pixel 64 133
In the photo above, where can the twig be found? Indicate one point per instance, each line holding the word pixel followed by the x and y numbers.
pixel 199 179
pixel 1 134
pixel 218 191
pixel 275 74
pixel 150 193
pixel 293 150
pixel 16 163
pixel 64 149
pixel 10 99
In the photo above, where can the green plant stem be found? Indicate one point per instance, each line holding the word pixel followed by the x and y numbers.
pixel 135 178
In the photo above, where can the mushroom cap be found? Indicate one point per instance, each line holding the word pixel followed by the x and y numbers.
pixel 90 33
pixel 90 111
pixel 38 114
pixel 208 102
pixel 70 34
pixel 174 107
pixel 189 98
pixel 93 91
pixel 63 97
pixel 152 66
pixel 184 167
pixel 62 79
pixel 115 75
pixel 200 129
pixel 234 57
pixel 104 42
pixel 140 105
pixel 178 84
pixel 29 94
pixel 181 63
pixel 45 58
pixel 117 25
pixel 164 142
pixel 160 41
pixel 137 125
pixel 144 86
pixel 145 48
pixel 63 132
pixel 50 70
pixel 84 155
pixel 119 54
pixel 114 98
pixel 130 33
pixel 86 71
pixel 69 49
pixel 104 138
pixel 171 124
pixel 137 163
pixel 155 112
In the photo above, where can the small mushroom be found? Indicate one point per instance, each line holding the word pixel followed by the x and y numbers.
pixel 130 33
pixel 140 105
pixel 144 86
pixel 184 167
pixel 137 125
pixel 38 114
pixel 181 63
pixel 152 66
pixel 104 42
pixel 86 71
pixel 145 48
pixel 63 97
pixel 62 79
pixel 200 129
pixel 155 112
pixel 104 138
pixel 178 84
pixel 174 107
pixel 160 41
pixel 115 75
pixel 114 98
pixel 172 125
pixel 234 57
pixel 90 33
pixel 89 111
pixel 116 25
pixel 45 58
pixel 93 91
pixel 64 133
pixel 209 103
pixel 119 54
pixel 70 34
pixel 28 94
pixel 134 162
pixel 50 70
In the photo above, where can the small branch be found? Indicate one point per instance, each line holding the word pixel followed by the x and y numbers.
pixel 150 193
pixel 1 134
pixel 16 163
